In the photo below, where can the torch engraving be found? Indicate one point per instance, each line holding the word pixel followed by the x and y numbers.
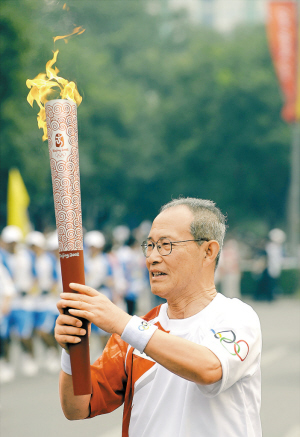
pixel 64 162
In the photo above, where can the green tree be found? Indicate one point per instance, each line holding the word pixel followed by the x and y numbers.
pixel 168 109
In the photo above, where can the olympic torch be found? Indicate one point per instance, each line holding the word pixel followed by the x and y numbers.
pixel 58 118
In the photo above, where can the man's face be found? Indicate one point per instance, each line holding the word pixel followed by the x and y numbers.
pixel 11 247
pixel 36 249
pixel 94 251
pixel 182 268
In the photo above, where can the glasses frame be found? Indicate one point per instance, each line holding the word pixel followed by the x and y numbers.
pixel 144 245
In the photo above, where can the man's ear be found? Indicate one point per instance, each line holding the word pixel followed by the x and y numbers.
pixel 211 252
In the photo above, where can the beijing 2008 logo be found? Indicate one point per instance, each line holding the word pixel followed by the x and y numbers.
pixel 144 326
pixel 59 140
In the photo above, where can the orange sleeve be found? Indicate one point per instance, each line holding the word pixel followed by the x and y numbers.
pixel 109 378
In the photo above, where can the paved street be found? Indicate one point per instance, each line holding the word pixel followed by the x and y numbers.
pixel 30 407
pixel 280 412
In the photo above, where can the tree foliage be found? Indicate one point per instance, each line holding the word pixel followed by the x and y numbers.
pixel 168 109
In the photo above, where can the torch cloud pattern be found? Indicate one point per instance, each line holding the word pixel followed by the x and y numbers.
pixel 61 116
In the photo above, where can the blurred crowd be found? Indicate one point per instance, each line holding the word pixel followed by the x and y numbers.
pixel 30 285
pixel 263 258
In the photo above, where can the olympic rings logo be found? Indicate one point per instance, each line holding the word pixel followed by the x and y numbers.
pixel 144 326
pixel 240 348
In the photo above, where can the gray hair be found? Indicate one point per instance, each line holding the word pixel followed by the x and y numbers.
pixel 208 221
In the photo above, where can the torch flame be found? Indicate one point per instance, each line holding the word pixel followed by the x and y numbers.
pixel 42 85
pixel 77 30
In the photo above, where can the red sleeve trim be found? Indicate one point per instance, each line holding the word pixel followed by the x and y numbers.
pixel 109 378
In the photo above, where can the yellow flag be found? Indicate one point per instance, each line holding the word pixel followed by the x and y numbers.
pixel 17 202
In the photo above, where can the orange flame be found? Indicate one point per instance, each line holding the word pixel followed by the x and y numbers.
pixel 77 31
pixel 42 85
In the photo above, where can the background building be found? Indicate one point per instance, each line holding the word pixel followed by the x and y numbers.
pixel 223 15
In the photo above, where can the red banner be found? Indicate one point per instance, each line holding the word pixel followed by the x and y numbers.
pixel 282 33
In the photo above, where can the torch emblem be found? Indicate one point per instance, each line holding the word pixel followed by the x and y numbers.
pixel 59 140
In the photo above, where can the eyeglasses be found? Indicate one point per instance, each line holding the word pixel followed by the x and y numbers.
pixel 164 246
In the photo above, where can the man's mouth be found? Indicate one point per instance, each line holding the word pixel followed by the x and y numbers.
pixel 155 274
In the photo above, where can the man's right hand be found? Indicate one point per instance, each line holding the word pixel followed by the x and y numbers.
pixel 68 329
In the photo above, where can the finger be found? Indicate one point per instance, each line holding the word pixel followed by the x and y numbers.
pixel 65 319
pixel 62 330
pixel 65 339
pixel 84 289
pixel 59 307
pixel 79 305
pixel 71 301
pixel 82 313
pixel 75 297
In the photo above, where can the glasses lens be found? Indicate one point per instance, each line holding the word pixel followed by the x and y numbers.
pixel 164 246
pixel 147 247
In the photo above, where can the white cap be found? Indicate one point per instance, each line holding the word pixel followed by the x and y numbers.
pixel 35 238
pixel 11 234
pixel 121 233
pixel 95 239
pixel 52 241
pixel 277 236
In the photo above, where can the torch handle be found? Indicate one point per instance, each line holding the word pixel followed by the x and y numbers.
pixel 72 270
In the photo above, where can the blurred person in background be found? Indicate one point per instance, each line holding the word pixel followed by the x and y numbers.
pixel 121 236
pixel 134 266
pixel 21 266
pixel 98 272
pixel 228 271
pixel 44 307
pixel 7 292
pixel 275 256
pixel 57 288
pixel 268 265
pixel 53 251
pixel 118 283
pixel 141 234
pixel 260 270
pixel 130 257
pixel 190 366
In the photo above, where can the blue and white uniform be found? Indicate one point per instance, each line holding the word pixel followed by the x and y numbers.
pixel 45 303
pixel 21 265
pixel 7 292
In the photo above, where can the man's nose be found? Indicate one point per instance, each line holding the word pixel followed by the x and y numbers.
pixel 155 256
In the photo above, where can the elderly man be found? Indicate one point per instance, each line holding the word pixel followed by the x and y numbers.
pixel 190 367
